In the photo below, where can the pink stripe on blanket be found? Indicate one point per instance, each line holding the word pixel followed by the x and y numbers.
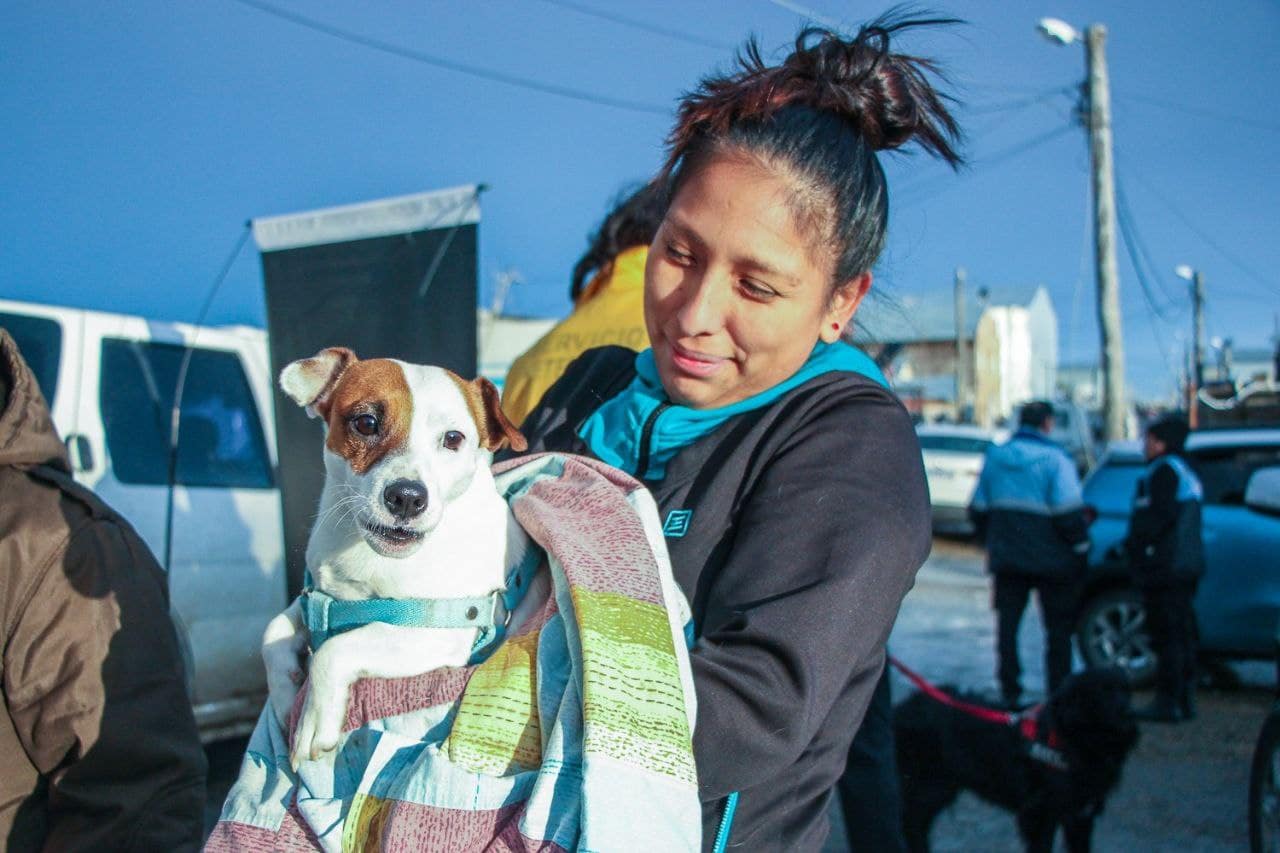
pixel 231 837
pixel 565 516
pixel 624 481
pixel 379 698
pixel 410 827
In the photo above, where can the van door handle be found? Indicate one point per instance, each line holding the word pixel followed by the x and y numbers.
pixel 80 451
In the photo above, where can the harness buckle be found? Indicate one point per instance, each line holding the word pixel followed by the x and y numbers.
pixel 501 615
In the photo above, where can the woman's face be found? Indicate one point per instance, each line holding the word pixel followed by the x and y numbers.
pixel 736 295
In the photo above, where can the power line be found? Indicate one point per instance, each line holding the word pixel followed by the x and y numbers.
pixel 1136 250
pixel 806 12
pixel 1021 103
pixel 1082 271
pixel 450 65
pixel 990 160
pixel 639 25
pixel 1268 285
pixel 1153 311
pixel 1200 111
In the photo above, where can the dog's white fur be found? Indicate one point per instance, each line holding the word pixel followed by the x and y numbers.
pixel 457 547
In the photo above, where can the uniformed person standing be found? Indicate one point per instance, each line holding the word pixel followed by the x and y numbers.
pixel 1166 556
pixel 1028 507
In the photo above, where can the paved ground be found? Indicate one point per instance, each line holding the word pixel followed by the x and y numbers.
pixel 1184 789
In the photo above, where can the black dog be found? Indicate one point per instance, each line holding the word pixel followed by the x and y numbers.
pixel 1058 775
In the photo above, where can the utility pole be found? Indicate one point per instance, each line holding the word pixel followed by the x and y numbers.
pixel 1197 347
pixel 1197 318
pixel 962 348
pixel 1104 205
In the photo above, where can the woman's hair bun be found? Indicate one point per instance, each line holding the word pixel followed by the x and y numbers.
pixel 887 97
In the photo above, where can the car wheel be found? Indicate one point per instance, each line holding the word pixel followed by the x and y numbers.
pixel 1112 631
pixel 1264 788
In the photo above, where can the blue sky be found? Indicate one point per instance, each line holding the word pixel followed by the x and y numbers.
pixel 141 136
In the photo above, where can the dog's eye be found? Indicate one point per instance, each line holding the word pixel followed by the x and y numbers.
pixel 453 439
pixel 365 424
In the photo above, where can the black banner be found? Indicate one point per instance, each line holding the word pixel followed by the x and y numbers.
pixel 394 278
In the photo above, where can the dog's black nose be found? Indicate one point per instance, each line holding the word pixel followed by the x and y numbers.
pixel 405 499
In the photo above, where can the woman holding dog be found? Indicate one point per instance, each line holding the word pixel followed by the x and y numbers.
pixel 786 472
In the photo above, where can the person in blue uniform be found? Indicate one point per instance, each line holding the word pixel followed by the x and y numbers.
pixel 1028 509
pixel 1166 556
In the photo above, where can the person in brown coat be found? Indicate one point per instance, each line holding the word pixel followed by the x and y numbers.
pixel 98 746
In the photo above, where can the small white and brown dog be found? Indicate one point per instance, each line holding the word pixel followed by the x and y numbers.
pixel 409 513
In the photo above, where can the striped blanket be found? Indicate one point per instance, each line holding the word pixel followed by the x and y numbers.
pixel 574 734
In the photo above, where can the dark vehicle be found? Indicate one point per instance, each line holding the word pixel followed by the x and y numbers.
pixel 1238 601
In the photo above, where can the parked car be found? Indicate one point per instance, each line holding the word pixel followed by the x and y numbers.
pixel 110 381
pixel 953 456
pixel 1072 430
pixel 1238 601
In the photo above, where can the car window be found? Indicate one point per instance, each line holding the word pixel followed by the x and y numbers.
pixel 1224 471
pixel 220 437
pixel 956 443
pixel 39 340
pixel 1110 488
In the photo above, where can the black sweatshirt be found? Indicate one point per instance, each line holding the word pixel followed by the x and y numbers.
pixel 795 530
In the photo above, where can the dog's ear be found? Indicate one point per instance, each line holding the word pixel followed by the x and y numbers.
pixel 310 381
pixel 496 428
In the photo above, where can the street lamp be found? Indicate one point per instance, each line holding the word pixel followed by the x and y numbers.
pixel 1058 30
pixel 1098 94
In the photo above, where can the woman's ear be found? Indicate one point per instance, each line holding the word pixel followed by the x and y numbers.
pixel 844 303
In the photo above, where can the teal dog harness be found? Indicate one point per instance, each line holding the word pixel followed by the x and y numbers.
pixel 326 616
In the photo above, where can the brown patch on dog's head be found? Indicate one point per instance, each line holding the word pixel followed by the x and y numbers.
pixel 369 393
pixel 486 409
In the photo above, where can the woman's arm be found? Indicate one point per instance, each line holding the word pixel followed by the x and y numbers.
pixel 826 545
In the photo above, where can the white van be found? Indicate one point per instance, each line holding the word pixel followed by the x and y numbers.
pixel 110 382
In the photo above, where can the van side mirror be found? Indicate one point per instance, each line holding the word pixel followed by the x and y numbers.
pixel 1263 491
pixel 80 451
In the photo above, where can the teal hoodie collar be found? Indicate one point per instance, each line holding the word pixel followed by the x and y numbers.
pixel 614 431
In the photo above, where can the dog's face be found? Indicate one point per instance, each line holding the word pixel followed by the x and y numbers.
pixel 1092 710
pixel 402 440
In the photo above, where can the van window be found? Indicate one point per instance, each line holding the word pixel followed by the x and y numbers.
pixel 220 437
pixel 40 342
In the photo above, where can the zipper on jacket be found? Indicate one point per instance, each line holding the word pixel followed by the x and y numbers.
pixel 726 823
pixel 646 435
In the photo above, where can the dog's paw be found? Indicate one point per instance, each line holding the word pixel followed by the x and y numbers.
pixel 319 729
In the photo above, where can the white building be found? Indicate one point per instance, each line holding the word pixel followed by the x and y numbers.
pixel 1015 353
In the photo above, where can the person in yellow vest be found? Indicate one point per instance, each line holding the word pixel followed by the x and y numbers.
pixel 607 290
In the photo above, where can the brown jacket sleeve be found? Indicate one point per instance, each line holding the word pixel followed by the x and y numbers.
pixel 94 682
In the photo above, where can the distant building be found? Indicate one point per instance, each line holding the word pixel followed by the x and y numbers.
pixel 501 338
pixel 1253 364
pixel 1012 338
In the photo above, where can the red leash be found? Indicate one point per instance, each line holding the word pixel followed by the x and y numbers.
pixel 982 713
pixel 1027 722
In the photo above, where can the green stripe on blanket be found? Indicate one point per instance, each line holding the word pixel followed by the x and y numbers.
pixel 633 703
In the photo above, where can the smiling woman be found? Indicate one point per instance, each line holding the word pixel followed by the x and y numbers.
pixel 787 473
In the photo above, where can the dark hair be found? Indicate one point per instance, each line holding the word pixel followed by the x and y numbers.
pixel 632 221
pixel 1171 429
pixel 1035 414
pixel 823 113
